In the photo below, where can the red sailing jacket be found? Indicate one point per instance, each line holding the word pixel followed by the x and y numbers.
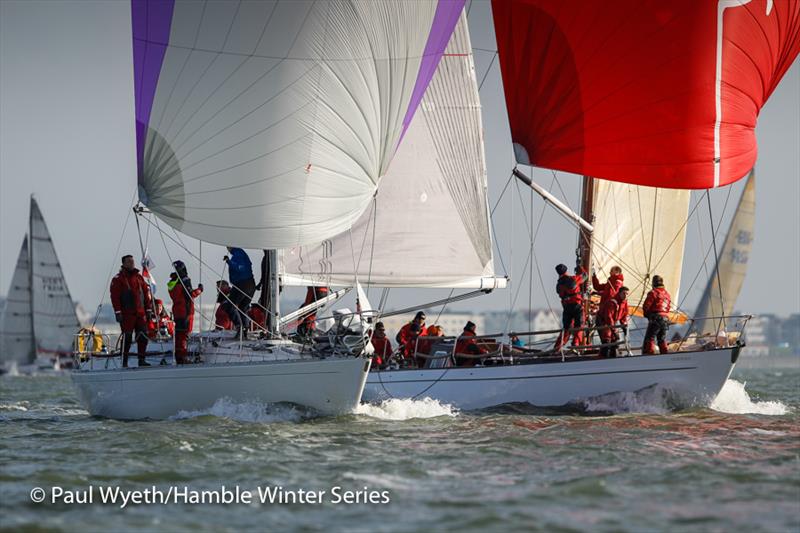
pixel 657 302
pixel 468 345
pixel 130 293
pixel 182 303
pixel 609 289
pixel 612 311
pixel 569 287
pixel 258 316
pixel 406 339
pixel 162 323
pixel 383 349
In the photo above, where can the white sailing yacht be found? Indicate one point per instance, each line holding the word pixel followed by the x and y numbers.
pixel 265 125
pixel 623 221
pixel 39 319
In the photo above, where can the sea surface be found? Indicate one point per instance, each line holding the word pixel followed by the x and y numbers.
pixel 625 463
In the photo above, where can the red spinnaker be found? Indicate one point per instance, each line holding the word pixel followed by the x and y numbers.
pixel 649 92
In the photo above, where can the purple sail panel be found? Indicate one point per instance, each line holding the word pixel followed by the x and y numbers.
pixel 444 23
pixel 151 21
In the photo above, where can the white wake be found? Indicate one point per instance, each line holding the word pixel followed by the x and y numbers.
pixel 734 399
pixel 406 409
pixel 247 412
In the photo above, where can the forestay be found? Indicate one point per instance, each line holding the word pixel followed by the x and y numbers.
pixel 643 230
pixel 428 225
pixel 16 334
pixel 732 262
pixel 270 124
pixel 54 319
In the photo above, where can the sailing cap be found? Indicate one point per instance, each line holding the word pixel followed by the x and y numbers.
pixel 561 269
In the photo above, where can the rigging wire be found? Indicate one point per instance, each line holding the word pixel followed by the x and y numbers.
pixel 716 256
pixel 116 254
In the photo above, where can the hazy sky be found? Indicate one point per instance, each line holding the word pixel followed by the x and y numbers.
pixel 67 135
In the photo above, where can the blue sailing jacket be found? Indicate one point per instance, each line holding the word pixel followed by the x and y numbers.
pixel 239 265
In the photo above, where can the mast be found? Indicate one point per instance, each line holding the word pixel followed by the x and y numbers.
pixel 30 275
pixel 584 251
pixel 273 311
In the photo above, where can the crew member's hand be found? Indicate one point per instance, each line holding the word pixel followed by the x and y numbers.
pixel 118 316
pixel 200 286
pixel 226 258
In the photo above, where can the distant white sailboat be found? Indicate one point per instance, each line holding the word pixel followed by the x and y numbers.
pixel 39 319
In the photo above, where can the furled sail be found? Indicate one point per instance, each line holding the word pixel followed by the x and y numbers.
pixel 270 124
pixel 732 263
pixel 54 319
pixel 428 225
pixel 649 92
pixel 16 335
pixel 643 231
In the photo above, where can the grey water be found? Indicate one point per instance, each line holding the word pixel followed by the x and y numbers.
pixel 624 464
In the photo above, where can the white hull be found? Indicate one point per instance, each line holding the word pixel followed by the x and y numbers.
pixel 331 386
pixel 696 376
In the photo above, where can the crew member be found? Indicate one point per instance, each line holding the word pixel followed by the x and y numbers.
pixel 409 347
pixel 609 289
pixel 243 286
pixel 382 346
pixel 610 312
pixel 425 346
pixel 133 307
pixel 656 309
pixel 162 324
pixel 183 295
pixel 222 317
pixel 258 318
pixel 309 323
pixel 403 336
pixel 468 345
pixel 569 290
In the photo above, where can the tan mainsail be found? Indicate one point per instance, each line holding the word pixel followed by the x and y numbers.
pixel 643 230
pixel 732 263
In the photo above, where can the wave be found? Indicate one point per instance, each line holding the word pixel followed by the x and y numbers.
pixel 734 399
pixel 15 406
pixel 250 411
pixel 406 409
pixel 656 400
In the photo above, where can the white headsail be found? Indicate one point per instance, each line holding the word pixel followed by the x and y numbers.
pixel 270 124
pixel 54 319
pixel 16 328
pixel 643 230
pixel 428 225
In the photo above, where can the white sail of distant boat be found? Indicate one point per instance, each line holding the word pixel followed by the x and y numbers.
pixel 54 318
pixel 428 225
pixel 39 318
pixel 726 280
pixel 16 331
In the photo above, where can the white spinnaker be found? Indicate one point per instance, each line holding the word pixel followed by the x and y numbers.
pixel 428 225
pixel 54 319
pixel 732 262
pixel 272 122
pixel 16 328
pixel 643 230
